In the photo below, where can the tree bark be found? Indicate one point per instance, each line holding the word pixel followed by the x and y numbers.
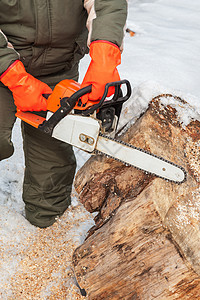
pixel 146 240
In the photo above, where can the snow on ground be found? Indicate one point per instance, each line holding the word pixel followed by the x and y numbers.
pixel 163 57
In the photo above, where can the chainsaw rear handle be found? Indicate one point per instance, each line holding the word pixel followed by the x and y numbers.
pixel 68 103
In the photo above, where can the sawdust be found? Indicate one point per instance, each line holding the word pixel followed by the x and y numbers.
pixel 45 270
pixel 188 212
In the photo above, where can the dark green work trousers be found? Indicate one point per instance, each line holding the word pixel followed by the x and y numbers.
pixel 49 166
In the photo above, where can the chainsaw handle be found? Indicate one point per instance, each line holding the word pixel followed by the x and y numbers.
pixel 117 85
pixel 68 103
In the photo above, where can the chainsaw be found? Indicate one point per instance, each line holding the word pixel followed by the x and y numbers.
pixel 91 127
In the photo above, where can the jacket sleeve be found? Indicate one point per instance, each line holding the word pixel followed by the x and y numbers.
pixel 7 53
pixel 106 20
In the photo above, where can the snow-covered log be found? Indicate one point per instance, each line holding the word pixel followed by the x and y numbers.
pixel 146 241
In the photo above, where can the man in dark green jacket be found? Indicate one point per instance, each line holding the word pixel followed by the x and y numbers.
pixel 41 43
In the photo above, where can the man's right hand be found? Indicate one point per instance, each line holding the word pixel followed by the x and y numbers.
pixel 27 90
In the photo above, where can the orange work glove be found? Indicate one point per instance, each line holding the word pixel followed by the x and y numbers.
pixel 105 57
pixel 27 90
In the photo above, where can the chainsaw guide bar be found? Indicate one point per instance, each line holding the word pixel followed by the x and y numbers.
pixel 164 167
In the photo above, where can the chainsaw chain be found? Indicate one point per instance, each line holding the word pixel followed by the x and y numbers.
pixel 142 150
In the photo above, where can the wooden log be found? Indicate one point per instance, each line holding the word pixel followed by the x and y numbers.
pixel 146 241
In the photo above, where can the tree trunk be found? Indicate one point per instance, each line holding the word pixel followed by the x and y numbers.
pixel 146 241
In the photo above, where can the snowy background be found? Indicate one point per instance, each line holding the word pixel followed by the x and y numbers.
pixel 162 57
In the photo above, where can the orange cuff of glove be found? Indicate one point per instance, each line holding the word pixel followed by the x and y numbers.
pixel 27 90
pixel 105 57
